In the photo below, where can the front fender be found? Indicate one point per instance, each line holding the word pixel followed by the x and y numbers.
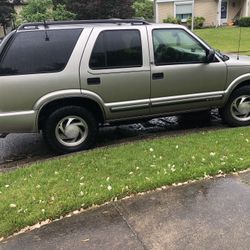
pixel 235 83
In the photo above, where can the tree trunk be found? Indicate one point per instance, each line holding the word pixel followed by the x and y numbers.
pixel 4 29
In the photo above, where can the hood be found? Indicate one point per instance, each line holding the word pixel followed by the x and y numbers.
pixel 234 62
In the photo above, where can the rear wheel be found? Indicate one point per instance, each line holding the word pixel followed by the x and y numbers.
pixel 237 110
pixel 70 129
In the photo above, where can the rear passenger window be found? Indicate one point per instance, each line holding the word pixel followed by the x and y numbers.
pixel 117 49
pixel 39 52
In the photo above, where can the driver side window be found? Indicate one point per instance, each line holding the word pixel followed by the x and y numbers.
pixel 175 46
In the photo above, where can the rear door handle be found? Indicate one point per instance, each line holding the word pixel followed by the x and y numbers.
pixel 157 76
pixel 93 81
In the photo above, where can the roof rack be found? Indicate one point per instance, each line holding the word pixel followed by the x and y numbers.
pixel 94 21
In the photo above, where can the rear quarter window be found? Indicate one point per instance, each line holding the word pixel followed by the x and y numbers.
pixel 34 52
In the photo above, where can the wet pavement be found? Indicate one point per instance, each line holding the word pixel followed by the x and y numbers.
pixel 17 149
pixel 208 214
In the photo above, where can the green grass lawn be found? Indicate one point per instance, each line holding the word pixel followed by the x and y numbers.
pixel 226 39
pixel 53 188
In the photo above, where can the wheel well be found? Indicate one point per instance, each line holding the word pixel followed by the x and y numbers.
pixel 242 84
pixel 90 105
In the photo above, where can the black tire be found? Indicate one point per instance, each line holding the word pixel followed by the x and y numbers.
pixel 229 112
pixel 53 133
pixel 221 113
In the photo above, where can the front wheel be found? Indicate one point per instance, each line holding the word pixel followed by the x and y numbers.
pixel 70 129
pixel 237 110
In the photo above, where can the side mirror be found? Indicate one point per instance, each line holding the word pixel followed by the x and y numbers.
pixel 210 56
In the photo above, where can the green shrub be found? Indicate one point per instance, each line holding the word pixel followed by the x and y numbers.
pixel 198 22
pixel 244 22
pixel 172 20
pixel 236 21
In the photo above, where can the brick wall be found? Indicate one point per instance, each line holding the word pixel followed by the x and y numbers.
pixel 165 10
pixel 208 10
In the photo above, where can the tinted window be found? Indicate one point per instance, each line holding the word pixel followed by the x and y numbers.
pixel 36 52
pixel 117 49
pixel 173 46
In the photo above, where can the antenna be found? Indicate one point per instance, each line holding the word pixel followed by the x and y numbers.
pixel 46 32
pixel 238 54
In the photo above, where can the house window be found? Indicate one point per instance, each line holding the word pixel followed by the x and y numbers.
pixel 183 11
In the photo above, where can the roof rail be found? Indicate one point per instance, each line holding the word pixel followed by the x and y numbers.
pixel 94 21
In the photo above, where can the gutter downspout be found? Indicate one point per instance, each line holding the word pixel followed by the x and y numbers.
pixel 192 24
pixel 156 12
pixel 219 13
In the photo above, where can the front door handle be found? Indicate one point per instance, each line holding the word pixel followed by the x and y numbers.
pixel 157 76
pixel 93 81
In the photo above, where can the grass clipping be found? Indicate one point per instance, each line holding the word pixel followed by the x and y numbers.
pixel 54 188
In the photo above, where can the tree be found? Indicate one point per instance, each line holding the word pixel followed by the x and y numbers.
pixel 42 10
pixel 60 13
pixel 6 12
pixel 144 8
pixel 99 9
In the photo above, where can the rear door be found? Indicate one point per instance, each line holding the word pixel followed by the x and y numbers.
pixel 115 67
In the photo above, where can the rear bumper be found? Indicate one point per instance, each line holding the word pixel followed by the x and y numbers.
pixel 18 122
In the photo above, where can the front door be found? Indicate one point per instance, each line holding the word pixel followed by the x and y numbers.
pixel 224 11
pixel 181 79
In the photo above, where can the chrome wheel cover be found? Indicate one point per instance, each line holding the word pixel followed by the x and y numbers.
pixel 240 108
pixel 71 131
